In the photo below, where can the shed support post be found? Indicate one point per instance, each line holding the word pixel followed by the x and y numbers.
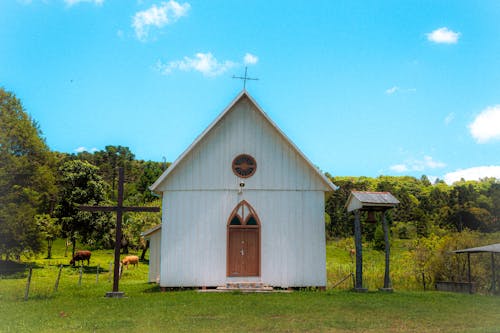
pixel 359 255
pixel 493 274
pixel 387 277
pixel 469 279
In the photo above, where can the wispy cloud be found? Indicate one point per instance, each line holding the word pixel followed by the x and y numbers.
pixel 396 89
pixel 443 36
pixel 204 63
pixel 76 2
pixel 82 149
pixel 417 165
pixel 158 16
pixel 474 173
pixel 391 90
pixel 250 59
pixel 449 118
pixel 486 125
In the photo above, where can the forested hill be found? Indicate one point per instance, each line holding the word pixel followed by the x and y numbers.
pixel 424 207
pixel 40 191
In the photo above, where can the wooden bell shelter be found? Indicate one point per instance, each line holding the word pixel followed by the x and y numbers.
pixel 370 202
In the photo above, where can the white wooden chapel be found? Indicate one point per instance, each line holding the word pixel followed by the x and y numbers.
pixel 242 203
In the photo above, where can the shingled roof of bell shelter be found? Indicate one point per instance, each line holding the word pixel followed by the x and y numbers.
pixel 493 248
pixel 370 200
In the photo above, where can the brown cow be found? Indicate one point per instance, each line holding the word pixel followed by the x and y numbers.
pixel 133 260
pixel 81 256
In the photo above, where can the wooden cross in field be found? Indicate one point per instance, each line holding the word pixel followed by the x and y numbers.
pixel 119 209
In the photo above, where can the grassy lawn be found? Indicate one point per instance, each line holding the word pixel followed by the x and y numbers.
pixel 145 309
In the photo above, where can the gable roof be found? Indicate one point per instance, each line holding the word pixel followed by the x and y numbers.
pixel 240 96
pixel 370 200
pixel 147 234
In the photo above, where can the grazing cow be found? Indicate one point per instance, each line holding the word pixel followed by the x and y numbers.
pixel 81 256
pixel 133 260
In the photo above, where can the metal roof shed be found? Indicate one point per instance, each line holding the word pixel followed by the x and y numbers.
pixel 493 248
pixel 370 202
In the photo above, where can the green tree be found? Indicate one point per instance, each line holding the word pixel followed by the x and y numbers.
pixel 27 181
pixel 110 159
pixel 49 229
pixel 150 173
pixel 81 185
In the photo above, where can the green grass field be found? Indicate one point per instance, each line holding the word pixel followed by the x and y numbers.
pixel 146 309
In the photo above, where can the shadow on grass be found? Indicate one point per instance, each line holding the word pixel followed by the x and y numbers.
pixel 153 288
pixel 88 269
pixel 15 270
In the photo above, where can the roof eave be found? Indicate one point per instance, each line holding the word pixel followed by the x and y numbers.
pixel 329 185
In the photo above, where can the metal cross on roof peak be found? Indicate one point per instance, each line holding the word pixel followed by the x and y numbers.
pixel 245 78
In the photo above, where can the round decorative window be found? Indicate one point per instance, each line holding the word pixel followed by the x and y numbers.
pixel 244 166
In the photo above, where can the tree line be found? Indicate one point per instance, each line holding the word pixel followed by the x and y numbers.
pixel 424 208
pixel 41 189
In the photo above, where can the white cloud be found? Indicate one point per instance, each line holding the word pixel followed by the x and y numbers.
pixel 204 63
pixel 158 16
pixel 75 2
pixel 418 165
pixel 250 59
pixel 82 149
pixel 475 173
pixel 397 89
pixel 443 36
pixel 392 90
pixel 399 167
pixel 486 126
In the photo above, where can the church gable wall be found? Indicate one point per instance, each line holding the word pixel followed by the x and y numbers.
pixel 243 130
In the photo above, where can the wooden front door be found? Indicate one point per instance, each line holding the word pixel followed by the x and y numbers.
pixel 243 242
pixel 243 252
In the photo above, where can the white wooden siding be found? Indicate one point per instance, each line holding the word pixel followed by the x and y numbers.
pixel 194 237
pixel 154 256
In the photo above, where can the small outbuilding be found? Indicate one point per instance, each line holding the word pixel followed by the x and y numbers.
pixel 370 202
pixel 242 203
pixel 493 249
pixel 153 236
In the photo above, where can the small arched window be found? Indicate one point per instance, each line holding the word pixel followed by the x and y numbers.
pixel 243 215
pixel 235 221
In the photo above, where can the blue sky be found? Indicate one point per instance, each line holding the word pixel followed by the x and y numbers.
pixel 363 88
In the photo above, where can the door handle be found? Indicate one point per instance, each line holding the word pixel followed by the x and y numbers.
pixel 242 252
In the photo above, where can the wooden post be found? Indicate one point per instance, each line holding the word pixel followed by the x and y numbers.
pixel 359 256
pixel 387 277
pixel 58 278
pixel 97 274
pixel 28 283
pixel 80 276
pixel 493 274
pixel 469 279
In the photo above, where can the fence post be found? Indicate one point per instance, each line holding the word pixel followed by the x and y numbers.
pixel 80 277
pixel 58 277
pixel 97 274
pixel 26 293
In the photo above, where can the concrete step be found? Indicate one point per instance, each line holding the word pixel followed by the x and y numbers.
pixel 246 287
